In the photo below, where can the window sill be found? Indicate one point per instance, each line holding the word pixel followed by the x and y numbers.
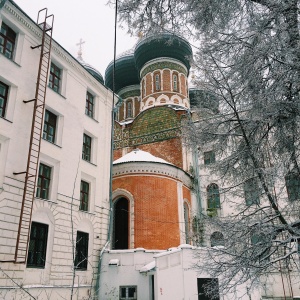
pixel 89 162
pixel 56 92
pixel 48 200
pixel 2 55
pixel 92 118
pixel 5 119
pixel 87 212
pixel 51 143
pixel 35 267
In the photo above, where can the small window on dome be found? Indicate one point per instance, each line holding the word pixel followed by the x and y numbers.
pixel 157 82
pixel 175 82
pixel 129 109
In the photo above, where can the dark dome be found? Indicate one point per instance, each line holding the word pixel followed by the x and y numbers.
pixel 126 73
pixel 203 99
pixel 162 45
pixel 95 73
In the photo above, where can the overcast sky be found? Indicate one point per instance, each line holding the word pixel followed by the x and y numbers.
pixel 91 20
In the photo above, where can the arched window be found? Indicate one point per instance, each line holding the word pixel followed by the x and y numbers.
pixel 129 109
pixel 175 82
pixel 292 183
pixel 213 196
pixel 217 239
pixel 143 88
pixel 157 82
pixel 120 224
pixel 186 222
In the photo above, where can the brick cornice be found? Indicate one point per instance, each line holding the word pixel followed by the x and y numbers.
pixel 30 25
pixel 152 169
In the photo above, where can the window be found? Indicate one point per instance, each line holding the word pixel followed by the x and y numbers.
pixel 217 239
pixel 55 78
pixel 86 147
pixel 43 185
pixel 121 216
pixel 82 246
pixel 7 41
pixel 84 195
pixel 89 105
pixel 251 192
pixel 128 292
pixel 213 196
pixel 49 126
pixel 129 109
pixel 208 288
pixel 157 82
pixel 37 245
pixel 3 98
pixel 186 222
pixel 175 82
pixel 292 183
pixel 209 157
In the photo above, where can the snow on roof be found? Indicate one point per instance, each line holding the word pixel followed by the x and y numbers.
pixel 139 155
pixel 148 267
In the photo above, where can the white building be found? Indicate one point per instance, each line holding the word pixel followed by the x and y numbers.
pixel 69 216
pixel 71 204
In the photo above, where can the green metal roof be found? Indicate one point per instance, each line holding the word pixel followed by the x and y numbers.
pixel 126 73
pixel 162 45
pixel 95 73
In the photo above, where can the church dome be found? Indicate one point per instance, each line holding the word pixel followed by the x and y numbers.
pixel 162 45
pixel 94 72
pixel 126 73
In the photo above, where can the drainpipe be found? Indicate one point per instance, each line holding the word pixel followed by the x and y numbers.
pixel 119 102
pixel 196 171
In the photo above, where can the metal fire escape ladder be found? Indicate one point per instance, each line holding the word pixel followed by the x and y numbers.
pixel 35 137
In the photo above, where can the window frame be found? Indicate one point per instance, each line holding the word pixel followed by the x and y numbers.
pixel 82 251
pixel 292 189
pixel 213 197
pixel 157 82
pixel 127 287
pixel 251 188
pixel 87 146
pixel 5 99
pixel 186 217
pixel 40 186
pixel 36 246
pixel 90 105
pixel 175 82
pixel 7 38
pixel 84 196
pixel 217 239
pixel 129 109
pixel 50 124
pixel 209 157
pixel 56 87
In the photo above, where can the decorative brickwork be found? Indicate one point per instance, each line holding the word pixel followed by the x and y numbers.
pixel 163 65
pixel 128 94
pixel 155 210
pixel 157 124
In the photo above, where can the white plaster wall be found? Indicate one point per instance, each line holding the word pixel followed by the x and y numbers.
pixel 127 273
pixel 64 157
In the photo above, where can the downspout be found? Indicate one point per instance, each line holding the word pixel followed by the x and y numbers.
pixel 97 287
pixel 196 170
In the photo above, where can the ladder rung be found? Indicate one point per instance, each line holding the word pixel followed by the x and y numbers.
pixel 34 47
